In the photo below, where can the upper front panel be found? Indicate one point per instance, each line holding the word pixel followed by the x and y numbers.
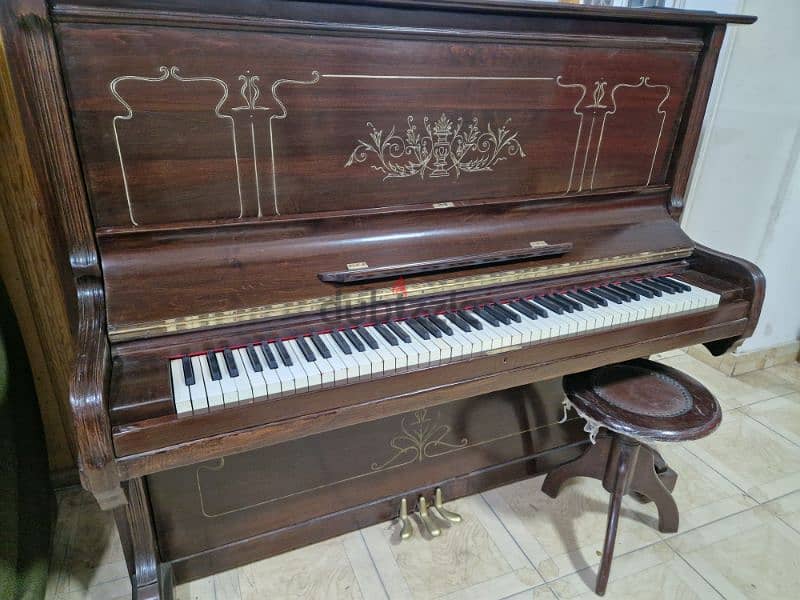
pixel 194 125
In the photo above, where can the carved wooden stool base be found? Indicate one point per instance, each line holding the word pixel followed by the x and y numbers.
pixel 646 400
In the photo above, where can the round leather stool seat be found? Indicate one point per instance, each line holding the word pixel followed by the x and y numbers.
pixel 646 400
pixel 635 401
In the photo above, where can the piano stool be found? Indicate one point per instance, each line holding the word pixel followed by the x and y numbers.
pixel 635 402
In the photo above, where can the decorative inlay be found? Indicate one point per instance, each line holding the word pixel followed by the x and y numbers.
pixel 419 439
pixel 174 73
pixel 445 147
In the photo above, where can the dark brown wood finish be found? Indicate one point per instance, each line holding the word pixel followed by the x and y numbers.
pixel 229 159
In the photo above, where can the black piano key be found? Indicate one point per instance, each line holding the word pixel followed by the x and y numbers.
pixel 473 322
pixel 619 296
pixel 440 323
pixel 430 327
pixel 525 309
pixel 653 289
pixel 671 284
pixel 629 285
pixel 308 354
pixel 230 363
pixel 458 322
pixel 549 305
pixel 272 362
pixel 367 337
pixel 663 287
pixel 387 335
pixel 213 365
pixel 353 338
pixel 586 293
pixel 486 316
pixel 253 358
pixel 399 332
pixel 509 313
pixel 575 303
pixel 537 309
pixel 323 350
pixel 556 299
pixel 283 353
pixel 497 314
pixel 624 291
pixel 681 285
pixel 188 370
pixel 610 296
pixel 418 329
pixel 588 301
pixel 340 341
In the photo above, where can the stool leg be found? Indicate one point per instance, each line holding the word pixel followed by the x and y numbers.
pixel 620 468
pixel 591 463
pixel 651 484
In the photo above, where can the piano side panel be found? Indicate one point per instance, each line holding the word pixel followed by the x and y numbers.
pixel 178 124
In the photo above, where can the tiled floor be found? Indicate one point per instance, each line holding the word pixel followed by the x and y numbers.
pixel 738 491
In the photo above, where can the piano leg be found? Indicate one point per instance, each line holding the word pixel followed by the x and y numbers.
pixel 150 580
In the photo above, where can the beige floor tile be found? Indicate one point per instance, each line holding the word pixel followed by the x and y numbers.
pixel 476 558
pixel 702 494
pixel 652 573
pixel 787 509
pixel 322 571
pixel 543 592
pixel 750 555
pixel 729 391
pixel 780 414
pixel 750 455
pixel 110 590
pixel 789 371
pixel 564 535
pixel 770 380
pixel 667 354
pixel 201 589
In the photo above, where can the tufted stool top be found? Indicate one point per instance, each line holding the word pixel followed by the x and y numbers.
pixel 644 399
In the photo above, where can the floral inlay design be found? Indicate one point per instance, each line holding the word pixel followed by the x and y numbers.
pixel 445 147
pixel 419 439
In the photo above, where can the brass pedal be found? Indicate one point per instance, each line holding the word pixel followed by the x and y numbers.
pixel 426 519
pixel 447 515
pixel 406 530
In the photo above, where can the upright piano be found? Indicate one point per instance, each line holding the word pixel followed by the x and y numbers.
pixel 332 255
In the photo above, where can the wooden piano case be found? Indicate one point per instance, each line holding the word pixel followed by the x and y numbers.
pixel 219 170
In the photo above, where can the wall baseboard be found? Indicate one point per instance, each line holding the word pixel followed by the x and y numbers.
pixel 744 362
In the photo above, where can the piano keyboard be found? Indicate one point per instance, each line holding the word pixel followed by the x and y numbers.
pixel 269 369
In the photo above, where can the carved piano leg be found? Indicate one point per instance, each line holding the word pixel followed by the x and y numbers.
pixel 150 579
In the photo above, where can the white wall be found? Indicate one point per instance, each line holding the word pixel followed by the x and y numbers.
pixel 744 195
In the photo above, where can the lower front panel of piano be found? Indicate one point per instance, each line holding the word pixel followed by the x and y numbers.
pixel 223 513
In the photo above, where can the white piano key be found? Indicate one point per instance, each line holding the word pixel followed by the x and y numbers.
pixel 243 388
pixel 338 367
pixel 387 358
pixel 214 393
pixel 180 391
pixel 400 360
pixel 198 390
pixel 288 376
pixel 428 354
pixel 258 384
pixel 229 393
pixel 313 375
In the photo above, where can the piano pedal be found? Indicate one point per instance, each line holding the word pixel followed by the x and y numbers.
pixel 427 520
pixel 406 529
pixel 447 515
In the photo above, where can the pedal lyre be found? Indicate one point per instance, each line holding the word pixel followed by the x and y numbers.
pixel 406 530
pixel 448 515
pixel 426 518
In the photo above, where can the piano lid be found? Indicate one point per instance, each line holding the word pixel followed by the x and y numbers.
pixel 228 165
